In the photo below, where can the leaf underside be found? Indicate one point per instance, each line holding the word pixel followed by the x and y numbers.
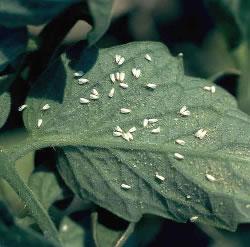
pixel 94 163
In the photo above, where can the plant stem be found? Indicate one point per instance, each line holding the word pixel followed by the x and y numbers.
pixel 32 203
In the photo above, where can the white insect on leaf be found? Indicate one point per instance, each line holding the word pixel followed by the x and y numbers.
pixel 112 77
pixel 193 218
pixel 117 76
pixel 94 97
pixel 84 101
pixel 136 73
pixel 122 76
pixel 131 130
pixel 180 142
pixel 210 177
pixel 117 133
pixel 201 133
pixel 130 136
pixel 126 136
pixel 156 131
pixel 180 54
pixel 39 122
pixel 82 81
pixel 151 85
pixel 22 107
pixel 152 120
pixel 145 123
pixel 121 61
pixel 148 57
pixel 207 88
pixel 159 177
pixel 94 91
pixel 117 58
pixel 119 129
pixel 184 111
pixel 125 110
pixel 111 92
pixel 211 89
pixel 45 107
pixel 178 156
pixel 78 74
pixel 125 186
pixel 123 85
pixel 65 228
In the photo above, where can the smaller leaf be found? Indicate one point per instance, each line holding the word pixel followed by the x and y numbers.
pixel 46 186
pixel 15 236
pixel 101 15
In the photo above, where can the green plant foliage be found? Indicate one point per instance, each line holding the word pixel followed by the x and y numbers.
pixel 72 234
pixel 4 107
pixel 101 15
pixel 46 187
pixel 18 13
pixel 106 237
pixel 94 163
pixel 13 42
pixel 233 16
pixel 15 236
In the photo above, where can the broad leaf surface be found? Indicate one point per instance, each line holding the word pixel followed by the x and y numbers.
pixel 94 163
pixel 13 42
pixel 4 108
pixel 15 236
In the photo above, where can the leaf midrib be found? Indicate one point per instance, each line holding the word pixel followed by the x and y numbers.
pixel 38 142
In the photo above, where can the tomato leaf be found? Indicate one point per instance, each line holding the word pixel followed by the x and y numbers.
pixel 95 164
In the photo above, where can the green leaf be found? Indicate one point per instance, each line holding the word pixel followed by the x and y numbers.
pixel 233 16
pixel 46 187
pixel 18 13
pixel 4 107
pixel 101 15
pixel 15 236
pixel 74 234
pixel 94 163
pixel 13 42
